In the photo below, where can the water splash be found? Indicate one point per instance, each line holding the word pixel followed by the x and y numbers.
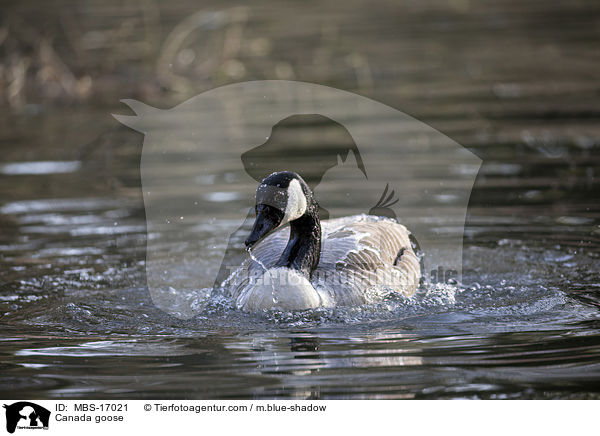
pixel 270 277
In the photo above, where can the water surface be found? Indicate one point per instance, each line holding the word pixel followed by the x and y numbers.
pixel 514 83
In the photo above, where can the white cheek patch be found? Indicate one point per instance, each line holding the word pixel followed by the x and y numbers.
pixel 296 202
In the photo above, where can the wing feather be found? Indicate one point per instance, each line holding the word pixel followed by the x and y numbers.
pixel 359 259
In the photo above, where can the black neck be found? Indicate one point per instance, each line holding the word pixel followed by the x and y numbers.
pixel 304 247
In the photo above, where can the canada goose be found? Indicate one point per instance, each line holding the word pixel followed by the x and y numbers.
pixel 308 264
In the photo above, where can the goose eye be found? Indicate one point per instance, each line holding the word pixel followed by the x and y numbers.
pixel 272 196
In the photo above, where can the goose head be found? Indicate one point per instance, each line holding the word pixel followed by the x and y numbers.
pixel 282 197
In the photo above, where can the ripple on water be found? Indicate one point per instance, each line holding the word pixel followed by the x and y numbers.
pixel 40 167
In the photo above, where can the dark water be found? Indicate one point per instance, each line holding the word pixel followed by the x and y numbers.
pixel 516 83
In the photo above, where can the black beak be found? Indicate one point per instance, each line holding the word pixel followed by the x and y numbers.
pixel 267 219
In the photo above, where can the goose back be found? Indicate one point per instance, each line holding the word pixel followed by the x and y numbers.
pixel 362 257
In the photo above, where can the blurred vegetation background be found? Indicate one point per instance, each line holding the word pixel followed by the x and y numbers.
pixel 514 81
pixel 516 56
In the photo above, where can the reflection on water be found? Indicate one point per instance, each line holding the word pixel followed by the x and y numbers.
pixel 21 168
pixel 504 80
pixel 528 328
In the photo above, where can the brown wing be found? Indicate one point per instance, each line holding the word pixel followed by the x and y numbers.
pixel 361 256
pixel 363 259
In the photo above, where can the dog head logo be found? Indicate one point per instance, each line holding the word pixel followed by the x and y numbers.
pixel 201 161
pixel 25 414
